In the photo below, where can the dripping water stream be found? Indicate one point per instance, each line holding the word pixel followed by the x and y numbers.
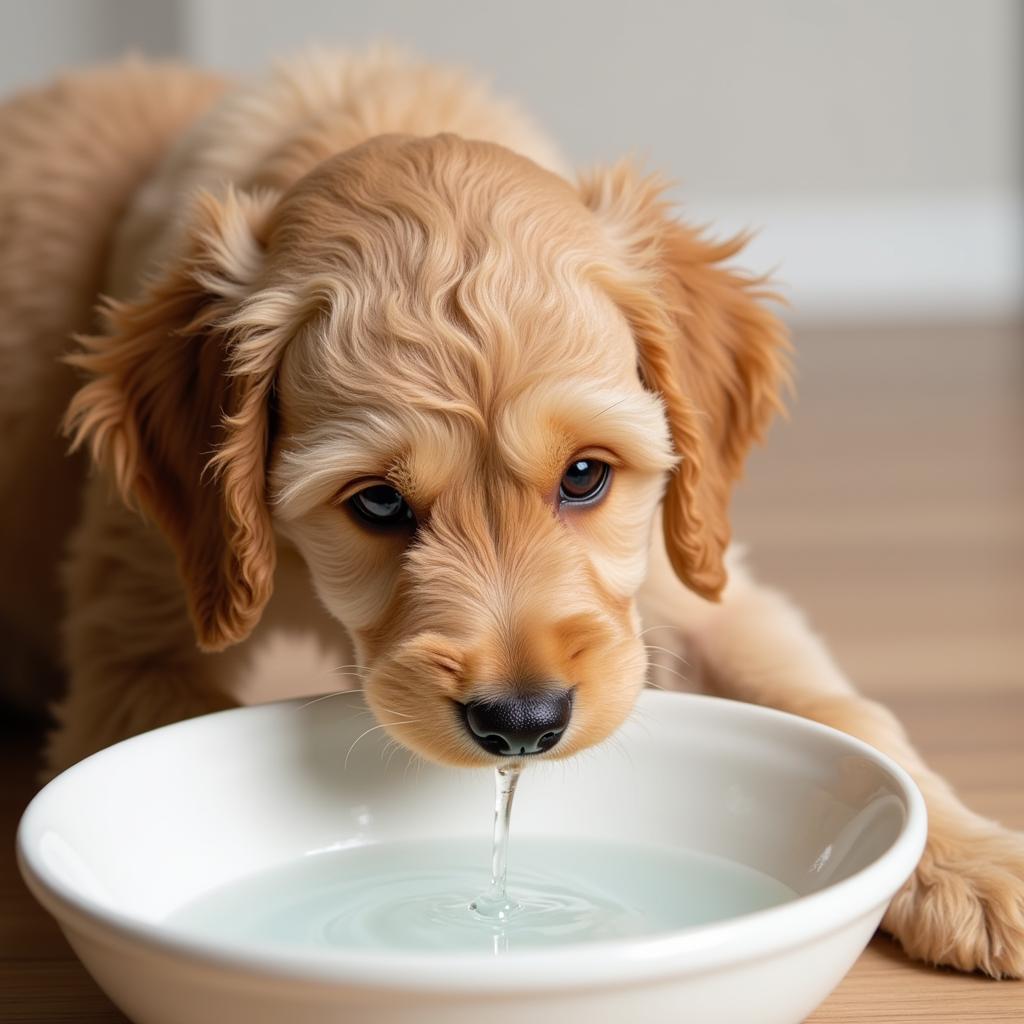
pixel 495 904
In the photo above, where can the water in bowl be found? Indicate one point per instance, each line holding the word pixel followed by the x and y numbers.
pixel 418 895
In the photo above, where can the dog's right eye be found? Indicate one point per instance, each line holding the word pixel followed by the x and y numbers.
pixel 382 506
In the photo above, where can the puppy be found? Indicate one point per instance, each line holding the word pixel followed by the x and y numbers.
pixel 391 387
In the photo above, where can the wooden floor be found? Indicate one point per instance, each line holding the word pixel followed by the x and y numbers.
pixel 892 508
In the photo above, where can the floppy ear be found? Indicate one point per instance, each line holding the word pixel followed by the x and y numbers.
pixel 705 344
pixel 177 409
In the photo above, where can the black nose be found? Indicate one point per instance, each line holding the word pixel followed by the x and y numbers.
pixel 514 726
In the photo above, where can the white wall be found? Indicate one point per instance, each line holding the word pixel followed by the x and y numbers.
pixel 39 38
pixel 877 144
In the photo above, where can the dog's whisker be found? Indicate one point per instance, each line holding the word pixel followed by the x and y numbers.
pixel 364 711
pixel 660 666
pixel 673 672
pixel 373 728
pixel 325 696
pixel 388 752
pixel 405 770
pixel 414 758
pixel 400 748
pixel 665 650
pixel 669 670
pixel 388 710
pixel 651 629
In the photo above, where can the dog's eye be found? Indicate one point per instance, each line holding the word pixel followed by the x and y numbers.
pixel 584 481
pixel 381 505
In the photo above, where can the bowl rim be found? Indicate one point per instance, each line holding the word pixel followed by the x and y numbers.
pixel 687 951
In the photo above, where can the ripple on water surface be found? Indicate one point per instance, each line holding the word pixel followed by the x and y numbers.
pixel 417 896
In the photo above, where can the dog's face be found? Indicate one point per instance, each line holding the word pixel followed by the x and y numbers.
pixel 465 453
pixel 460 387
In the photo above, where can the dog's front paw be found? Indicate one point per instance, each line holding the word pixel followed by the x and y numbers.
pixel 964 905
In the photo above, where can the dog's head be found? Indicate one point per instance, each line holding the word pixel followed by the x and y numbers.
pixel 461 387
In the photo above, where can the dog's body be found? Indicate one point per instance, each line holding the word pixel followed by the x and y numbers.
pixel 98 196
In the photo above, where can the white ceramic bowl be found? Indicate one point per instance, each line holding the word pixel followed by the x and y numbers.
pixel 123 839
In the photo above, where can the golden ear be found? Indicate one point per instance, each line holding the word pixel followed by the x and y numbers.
pixel 705 343
pixel 177 409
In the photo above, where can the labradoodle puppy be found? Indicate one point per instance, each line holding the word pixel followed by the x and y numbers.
pixel 377 381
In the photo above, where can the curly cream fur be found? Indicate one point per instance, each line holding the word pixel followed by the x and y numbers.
pixel 369 269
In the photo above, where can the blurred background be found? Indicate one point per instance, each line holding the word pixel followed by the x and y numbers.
pixel 877 145
pixel 877 149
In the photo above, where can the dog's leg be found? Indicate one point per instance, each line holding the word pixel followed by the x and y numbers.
pixel 130 649
pixel 964 905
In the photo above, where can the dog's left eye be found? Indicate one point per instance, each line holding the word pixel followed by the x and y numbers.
pixel 584 481
pixel 381 505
